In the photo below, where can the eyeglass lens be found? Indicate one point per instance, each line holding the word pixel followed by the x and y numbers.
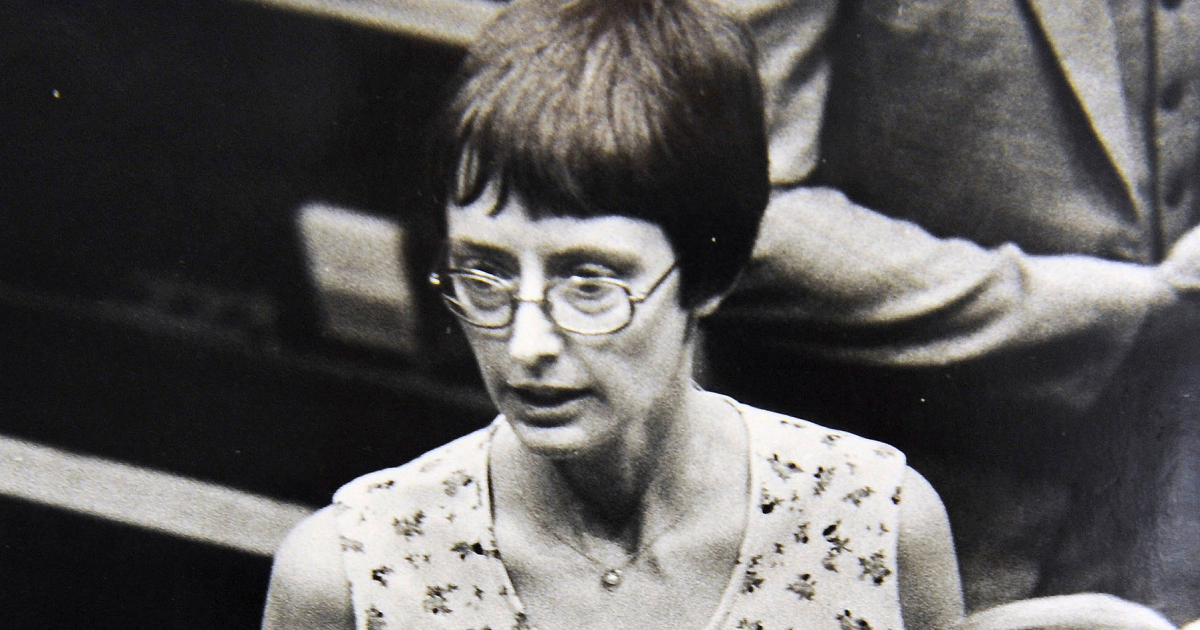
pixel 584 305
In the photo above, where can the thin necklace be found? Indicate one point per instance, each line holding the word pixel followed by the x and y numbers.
pixel 614 574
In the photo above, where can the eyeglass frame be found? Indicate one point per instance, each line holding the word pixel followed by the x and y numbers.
pixel 435 279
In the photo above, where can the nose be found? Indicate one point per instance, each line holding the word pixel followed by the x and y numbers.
pixel 534 337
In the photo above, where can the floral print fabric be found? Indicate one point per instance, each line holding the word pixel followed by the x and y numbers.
pixel 819 550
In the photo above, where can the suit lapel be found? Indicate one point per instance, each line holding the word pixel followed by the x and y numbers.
pixel 1083 37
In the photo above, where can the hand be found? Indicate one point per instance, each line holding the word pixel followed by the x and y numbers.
pixel 1182 266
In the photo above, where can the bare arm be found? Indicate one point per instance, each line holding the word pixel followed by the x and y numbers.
pixel 308 585
pixel 930 592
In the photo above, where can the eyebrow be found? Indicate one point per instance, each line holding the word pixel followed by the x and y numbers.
pixel 619 260
pixel 472 248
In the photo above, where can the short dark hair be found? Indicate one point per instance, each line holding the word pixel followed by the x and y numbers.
pixel 650 109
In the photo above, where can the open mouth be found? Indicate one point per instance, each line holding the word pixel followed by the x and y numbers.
pixel 547 397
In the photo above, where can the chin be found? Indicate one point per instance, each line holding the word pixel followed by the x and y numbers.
pixel 562 442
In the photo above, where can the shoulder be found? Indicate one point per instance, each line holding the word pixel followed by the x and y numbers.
pixel 777 433
pixel 308 587
pixel 437 473
pixel 838 475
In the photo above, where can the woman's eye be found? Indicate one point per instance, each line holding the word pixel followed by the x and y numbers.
pixel 591 295
pixel 479 293
pixel 589 288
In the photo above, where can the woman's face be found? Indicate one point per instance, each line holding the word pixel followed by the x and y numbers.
pixel 566 393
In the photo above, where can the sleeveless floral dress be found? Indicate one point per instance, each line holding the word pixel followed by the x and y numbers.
pixel 819 551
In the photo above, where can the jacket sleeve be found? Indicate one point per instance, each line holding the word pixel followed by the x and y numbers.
pixel 842 282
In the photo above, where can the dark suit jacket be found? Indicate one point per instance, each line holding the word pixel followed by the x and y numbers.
pixel 999 121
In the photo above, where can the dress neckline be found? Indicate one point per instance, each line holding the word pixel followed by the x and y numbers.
pixel 750 535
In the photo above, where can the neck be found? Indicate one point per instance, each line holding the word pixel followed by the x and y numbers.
pixel 609 486
pixel 639 484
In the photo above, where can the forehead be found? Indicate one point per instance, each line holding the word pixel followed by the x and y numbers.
pixel 510 229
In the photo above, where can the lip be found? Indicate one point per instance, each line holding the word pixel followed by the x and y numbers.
pixel 547 402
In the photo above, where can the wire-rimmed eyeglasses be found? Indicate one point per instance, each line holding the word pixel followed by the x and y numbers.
pixel 582 305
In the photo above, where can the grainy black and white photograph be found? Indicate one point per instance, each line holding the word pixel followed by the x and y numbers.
pixel 600 314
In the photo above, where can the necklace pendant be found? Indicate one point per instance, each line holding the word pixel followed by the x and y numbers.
pixel 611 579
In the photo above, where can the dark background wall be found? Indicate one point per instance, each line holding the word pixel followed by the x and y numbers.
pixel 155 308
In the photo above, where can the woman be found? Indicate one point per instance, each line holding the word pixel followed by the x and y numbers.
pixel 604 173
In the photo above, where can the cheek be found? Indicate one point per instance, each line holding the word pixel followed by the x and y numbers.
pixel 663 337
pixel 490 355
pixel 644 359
